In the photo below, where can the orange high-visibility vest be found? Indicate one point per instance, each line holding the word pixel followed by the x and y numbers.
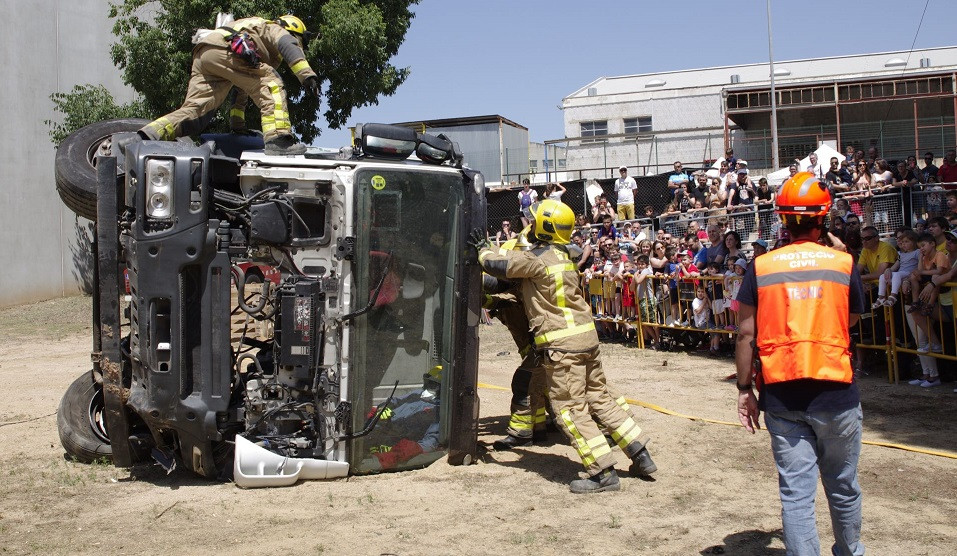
pixel 802 314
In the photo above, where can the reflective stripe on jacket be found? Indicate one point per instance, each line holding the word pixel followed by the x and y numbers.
pixel 273 44
pixel 558 313
pixel 802 313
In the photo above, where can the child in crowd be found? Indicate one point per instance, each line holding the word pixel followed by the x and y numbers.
pixel 614 267
pixel 907 260
pixel 731 285
pixel 932 262
pixel 593 276
pixel 644 292
pixel 681 273
pixel 701 307
pixel 627 279
pixel 702 316
pixel 717 296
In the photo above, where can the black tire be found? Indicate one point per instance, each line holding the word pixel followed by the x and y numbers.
pixel 80 421
pixel 75 163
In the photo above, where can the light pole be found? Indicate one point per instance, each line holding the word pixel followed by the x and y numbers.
pixel 774 100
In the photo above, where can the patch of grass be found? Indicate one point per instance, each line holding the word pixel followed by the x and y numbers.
pixel 54 318
pixel 615 522
pixel 525 539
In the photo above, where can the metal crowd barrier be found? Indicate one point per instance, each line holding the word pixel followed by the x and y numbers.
pixel 891 331
pixel 904 332
pixel 885 211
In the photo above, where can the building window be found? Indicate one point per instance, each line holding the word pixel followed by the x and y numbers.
pixel 638 125
pixel 561 162
pixel 533 164
pixel 594 129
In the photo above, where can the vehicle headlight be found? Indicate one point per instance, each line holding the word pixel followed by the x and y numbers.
pixel 159 189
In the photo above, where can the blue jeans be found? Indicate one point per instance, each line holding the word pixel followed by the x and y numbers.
pixel 803 444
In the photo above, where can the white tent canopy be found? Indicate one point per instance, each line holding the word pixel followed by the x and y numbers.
pixel 824 154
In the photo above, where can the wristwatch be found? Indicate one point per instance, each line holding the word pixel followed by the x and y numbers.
pixel 744 388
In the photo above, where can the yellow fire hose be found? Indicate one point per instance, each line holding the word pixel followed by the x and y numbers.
pixel 666 411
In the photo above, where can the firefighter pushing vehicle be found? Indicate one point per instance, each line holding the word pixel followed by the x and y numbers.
pixel 563 330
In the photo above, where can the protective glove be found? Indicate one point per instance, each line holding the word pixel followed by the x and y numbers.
pixel 387 460
pixel 406 449
pixel 311 84
pixel 478 239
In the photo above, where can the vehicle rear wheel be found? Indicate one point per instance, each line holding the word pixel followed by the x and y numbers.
pixel 80 421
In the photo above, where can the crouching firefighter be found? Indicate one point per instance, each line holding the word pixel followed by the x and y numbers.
pixel 526 423
pixel 246 55
pixel 563 330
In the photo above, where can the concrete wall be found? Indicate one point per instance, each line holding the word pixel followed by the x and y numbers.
pixel 50 46
pixel 668 112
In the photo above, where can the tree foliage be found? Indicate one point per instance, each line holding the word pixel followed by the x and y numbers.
pixel 86 104
pixel 154 52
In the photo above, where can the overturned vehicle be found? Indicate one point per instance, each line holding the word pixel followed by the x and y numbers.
pixel 359 355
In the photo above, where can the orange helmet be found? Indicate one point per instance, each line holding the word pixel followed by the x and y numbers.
pixel 803 194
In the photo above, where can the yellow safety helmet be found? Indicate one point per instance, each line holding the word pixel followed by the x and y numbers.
pixel 553 221
pixel 292 24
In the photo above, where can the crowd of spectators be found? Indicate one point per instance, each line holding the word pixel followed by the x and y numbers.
pixel 642 279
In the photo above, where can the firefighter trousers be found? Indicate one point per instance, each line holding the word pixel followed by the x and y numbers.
pixel 577 391
pixel 215 71
pixel 528 382
pixel 528 399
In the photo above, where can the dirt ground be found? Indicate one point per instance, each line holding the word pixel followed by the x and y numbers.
pixel 715 490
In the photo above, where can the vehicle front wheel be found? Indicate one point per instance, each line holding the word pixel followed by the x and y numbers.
pixel 80 421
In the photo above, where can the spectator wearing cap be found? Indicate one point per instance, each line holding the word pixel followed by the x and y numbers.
pixel 741 193
pixel 760 247
pixel 876 255
pixel 625 188
pixel 678 179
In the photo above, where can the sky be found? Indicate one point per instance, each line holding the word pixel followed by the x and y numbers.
pixel 520 58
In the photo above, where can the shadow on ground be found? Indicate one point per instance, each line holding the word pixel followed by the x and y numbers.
pixel 748 543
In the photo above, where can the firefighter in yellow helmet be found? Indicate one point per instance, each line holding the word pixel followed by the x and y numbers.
pixel 245 55
pixel 526 423
pixel 563 330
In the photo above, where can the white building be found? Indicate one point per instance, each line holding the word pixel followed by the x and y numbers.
pixel 900 102
pixel 52 45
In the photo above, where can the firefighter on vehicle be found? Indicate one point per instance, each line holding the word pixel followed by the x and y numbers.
pixel 246 55
pixel 564 332
pixel 526 423
pixel 797 304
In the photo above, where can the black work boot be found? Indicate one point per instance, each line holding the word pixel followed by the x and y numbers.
pixel 641 464
pixel 604 481
pixel 284 145
pixel 509 442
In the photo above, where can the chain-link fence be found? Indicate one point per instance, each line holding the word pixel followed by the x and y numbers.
pixel 652 191
pixel 884 211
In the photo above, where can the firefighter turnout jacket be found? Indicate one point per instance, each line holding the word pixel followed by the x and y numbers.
pixel 559 315
pixel 802 313
pixel 216 69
